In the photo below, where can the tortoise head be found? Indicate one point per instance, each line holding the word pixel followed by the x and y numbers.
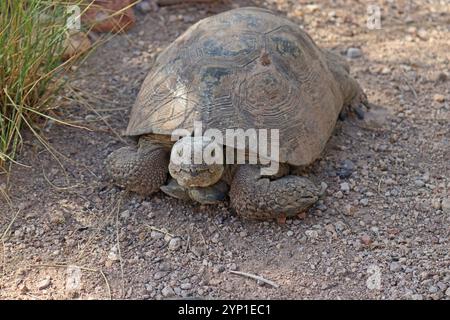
pixel 196 162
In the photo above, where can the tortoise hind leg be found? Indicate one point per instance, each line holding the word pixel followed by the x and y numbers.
pixel 255 197
pixel 143 170
pixel 359 102
pixel 354 97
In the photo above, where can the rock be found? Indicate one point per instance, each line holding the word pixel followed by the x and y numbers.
pixel 419 183
pixel 174 244
pixel 112 255
pixel 173 18
pixel 439 97
pixel 416 297
pixel 167 292
pixel 73 280
pixel 167 237
pixel 412 30
pixel 44 284
pixel 56 217
pixel 354 53
pixel 159 275
pixel 23 288
pixel 177 291
pixel 366 240
pixel 109 16
pixel 340 226
pixel 175 2
pixel 395 266
pixel 125 214
pixel 364 202
pixel 313 234
pixel 156 235
pixel 349 210
pixel 323 187
pixel 218 269
pixel 385 70
pixel 290 233
pixel 436 203
pixel 441 286
pixel 345 187
pixel 186 286
pixel 243 234
pixel 447 292
pixel 75 44
pixel 232 267
pixel 90 118
pixel 445 205
pixel 433 289
pixel 188 18
pixel 144 7
pixel 338 195
pixel 422 34
pixel 164 266
pixel 346 169
pixel 260 283
pixel 149 287
pixel 215 238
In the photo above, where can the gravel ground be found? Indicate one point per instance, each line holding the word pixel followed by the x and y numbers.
pixel 381 232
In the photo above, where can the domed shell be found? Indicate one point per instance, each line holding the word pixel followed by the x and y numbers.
pixel 244 68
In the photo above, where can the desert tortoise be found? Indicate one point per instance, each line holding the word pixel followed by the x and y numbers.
pixel 244 68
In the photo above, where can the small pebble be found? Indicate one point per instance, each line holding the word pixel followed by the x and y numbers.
pixel 364 201
pixel 174 244
pixel 422 34
pixel 395 266
pixel 44 284
pixel 436 203
pixel 186 286
pixel 167 292
pixel 125 214
pixel 365 239
pixel 144 7
pixel 338 195
pixel 346 169
pixel 112 255
pixel 354 53
pixel 312 234
pixel 345 187
pixel 445 205
pixel 156 235
pixel 419 183
pixel 159 275
pixel 439 97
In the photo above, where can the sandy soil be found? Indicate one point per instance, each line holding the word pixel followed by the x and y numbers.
pixel 386 215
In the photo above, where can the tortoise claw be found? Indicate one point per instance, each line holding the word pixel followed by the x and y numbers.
pixel 343 115
pixel 359 112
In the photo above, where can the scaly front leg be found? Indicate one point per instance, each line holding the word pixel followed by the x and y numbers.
pixel 143 170
pixel 257 197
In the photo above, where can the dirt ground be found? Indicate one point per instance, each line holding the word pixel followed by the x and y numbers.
pixel 381 232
